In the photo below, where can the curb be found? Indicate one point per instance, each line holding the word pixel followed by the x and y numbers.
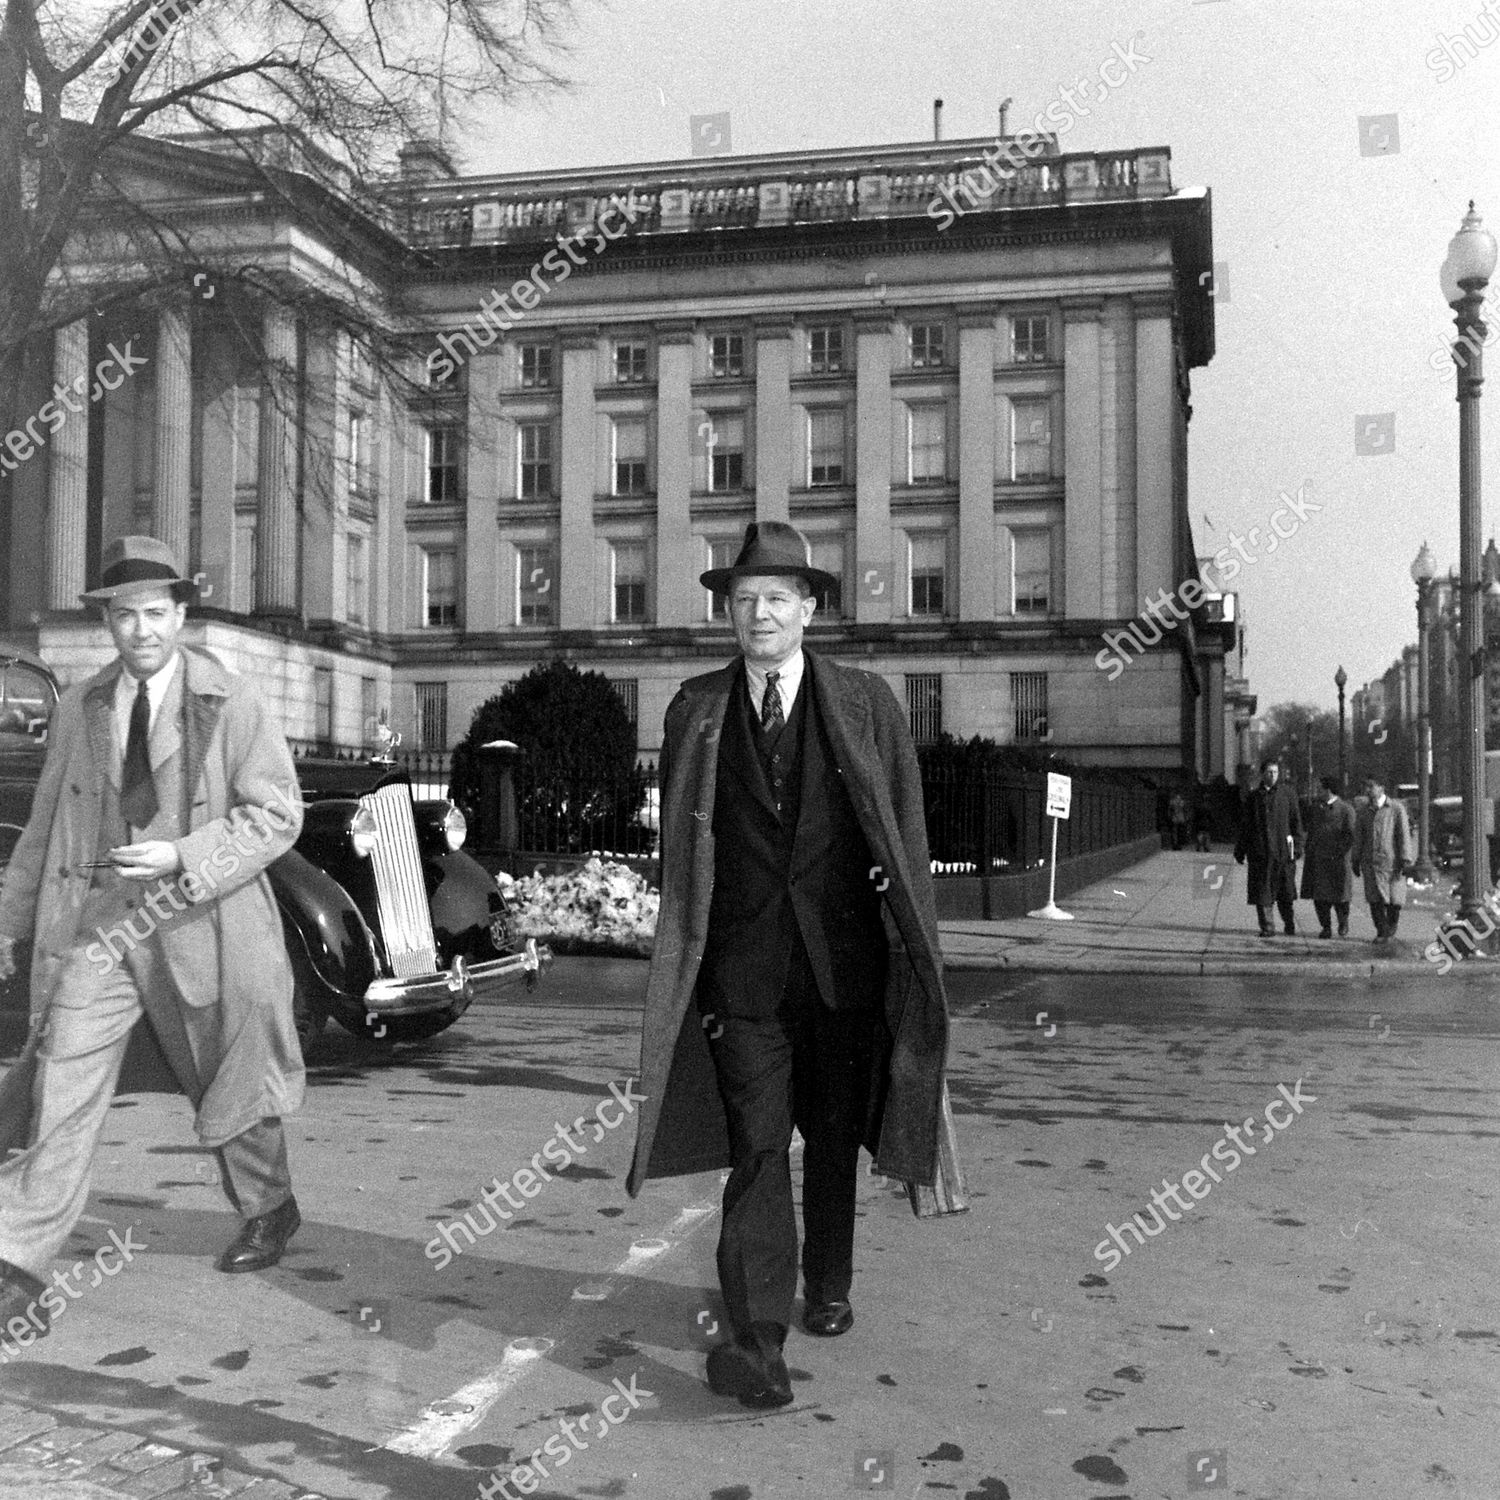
pixel 1032 962
pixel 44 1452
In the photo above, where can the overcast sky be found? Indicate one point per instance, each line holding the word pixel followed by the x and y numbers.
pixel 1329 233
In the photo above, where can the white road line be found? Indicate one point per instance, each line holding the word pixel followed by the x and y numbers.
pixel 443 1422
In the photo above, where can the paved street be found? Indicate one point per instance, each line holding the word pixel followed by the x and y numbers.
pixel 1324 1321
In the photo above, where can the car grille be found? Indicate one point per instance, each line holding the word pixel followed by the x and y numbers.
pixel 401 892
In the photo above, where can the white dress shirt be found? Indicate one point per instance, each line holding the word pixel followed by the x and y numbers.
pixel 156 692
pixel 787 683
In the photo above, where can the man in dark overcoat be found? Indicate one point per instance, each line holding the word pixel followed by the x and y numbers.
pixel 1327 873
pixel 167 790
pixel 798 912
pixel 1271 840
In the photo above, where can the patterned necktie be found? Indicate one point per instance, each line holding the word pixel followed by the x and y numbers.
pixel 137 786
pixel 772 718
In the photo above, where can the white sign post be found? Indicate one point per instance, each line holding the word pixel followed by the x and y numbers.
pixel 1059 804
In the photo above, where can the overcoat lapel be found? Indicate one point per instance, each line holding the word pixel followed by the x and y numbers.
pixel 204 704
pixel 99 714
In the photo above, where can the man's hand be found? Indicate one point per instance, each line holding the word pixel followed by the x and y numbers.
pixel 147 861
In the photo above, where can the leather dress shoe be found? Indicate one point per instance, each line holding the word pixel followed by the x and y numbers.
pixel 759 1379
pixel 826 1320
pixel 19 1291
pixel 262 1240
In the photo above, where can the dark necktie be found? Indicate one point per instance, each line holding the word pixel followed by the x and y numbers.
pixel 772 717
pixel 137 786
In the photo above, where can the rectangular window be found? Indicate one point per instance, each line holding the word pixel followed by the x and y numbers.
pixel 825 446
pixel 1031 572
pixel 721 554
pixel 927 445
pixel 1028 340
pixel 726 356
pixel 630 363
pixel 929 566
pixel 1028 698
pixel 825 350
pixel 1031 438
pixel 630 455
pixel 439 586
pixel 628 690
pixel 323 705
pixel 924 706
pixel 726 463
pixel 927 346
pixel 443 372
pixel 431 715
pixel 828 554
pixel 536 365
pixel 442 465
pixel 361 372
pixel 535 451
pixel 536 589
pixel 356 452
pixel 356 579
pixel 628 584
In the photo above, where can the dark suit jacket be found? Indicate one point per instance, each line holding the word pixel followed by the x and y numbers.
pixel 1271 842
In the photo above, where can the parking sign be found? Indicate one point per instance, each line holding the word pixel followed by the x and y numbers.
pixel 1059 795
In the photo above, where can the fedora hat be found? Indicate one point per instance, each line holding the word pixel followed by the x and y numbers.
pixel 771 549
pixel 132 563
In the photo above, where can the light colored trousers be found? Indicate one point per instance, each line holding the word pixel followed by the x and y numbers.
pixel 44 1188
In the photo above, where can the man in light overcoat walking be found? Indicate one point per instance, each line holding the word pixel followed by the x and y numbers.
pixel 1383 850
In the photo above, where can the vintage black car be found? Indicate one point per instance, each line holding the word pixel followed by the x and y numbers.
pixel 389 925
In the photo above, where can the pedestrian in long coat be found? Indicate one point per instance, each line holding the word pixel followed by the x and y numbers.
pixel 1382 853
pixel 140 878
pixel 1271 841
pixel 1327 872
pixel 702 1071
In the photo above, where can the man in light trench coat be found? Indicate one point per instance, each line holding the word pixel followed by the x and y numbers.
pixel 167 790
pixel 798 912
pixel 1383 851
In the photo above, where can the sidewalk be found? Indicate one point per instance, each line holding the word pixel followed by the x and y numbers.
pixel 1185 913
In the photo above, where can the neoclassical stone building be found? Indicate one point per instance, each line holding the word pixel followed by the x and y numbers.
pixel 415 441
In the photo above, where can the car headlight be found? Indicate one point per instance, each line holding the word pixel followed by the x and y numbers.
pixel 363 831
pixel 455 827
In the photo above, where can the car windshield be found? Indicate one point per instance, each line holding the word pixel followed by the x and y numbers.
pixel 26 701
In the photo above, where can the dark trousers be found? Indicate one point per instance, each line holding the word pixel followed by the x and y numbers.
pixel 1325 909
pixel 1284 906
pixel 806 1066
pixel 1385 917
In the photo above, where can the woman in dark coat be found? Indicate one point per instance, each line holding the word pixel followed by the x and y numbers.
pixel 1328 873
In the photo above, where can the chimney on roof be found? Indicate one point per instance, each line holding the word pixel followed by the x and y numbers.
pixel 423 158
pixel 1005 105
pixel 937 119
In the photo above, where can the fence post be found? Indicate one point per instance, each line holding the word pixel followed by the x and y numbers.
pixel 986 841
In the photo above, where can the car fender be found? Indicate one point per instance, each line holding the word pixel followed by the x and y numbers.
pixel 338 943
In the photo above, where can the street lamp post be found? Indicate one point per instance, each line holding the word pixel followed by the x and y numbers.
pixel 1465 274
pixel 1340 678
pixel 1423 570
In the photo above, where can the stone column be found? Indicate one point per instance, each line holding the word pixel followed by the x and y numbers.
pixel 1156 413
pixel 576 562
pixel 1083 520
pixel 775 442
pixel 678 564
pixel 276 519
pixel 875 587
pixel 171 497
pixel 485 581
pixel 68 471
pixel 976 465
